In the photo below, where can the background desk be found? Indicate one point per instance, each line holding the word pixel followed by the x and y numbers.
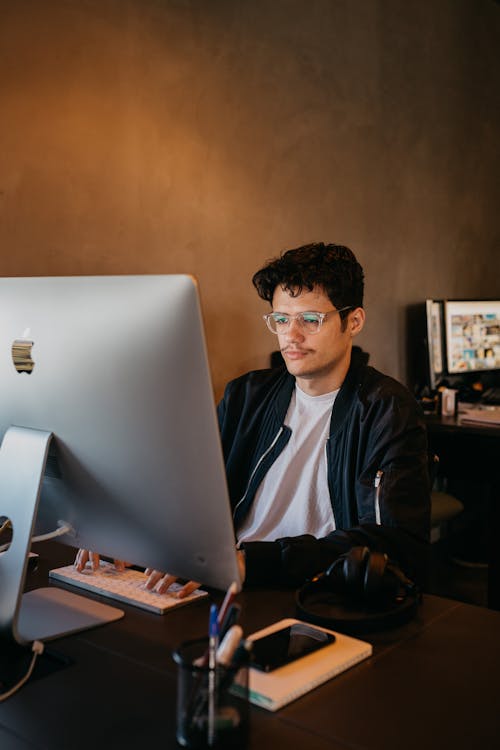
pixel 433 683
pixel 471 452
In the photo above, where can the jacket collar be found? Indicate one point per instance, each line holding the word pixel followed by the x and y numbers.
pixel 344 400
pixel 284 390
pixel 286 384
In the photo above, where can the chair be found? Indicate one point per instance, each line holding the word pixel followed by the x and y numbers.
pixel 444 506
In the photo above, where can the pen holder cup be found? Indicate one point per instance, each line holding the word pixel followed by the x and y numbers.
pixel 212 705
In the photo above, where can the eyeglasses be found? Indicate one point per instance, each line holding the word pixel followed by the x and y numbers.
pixel 310 322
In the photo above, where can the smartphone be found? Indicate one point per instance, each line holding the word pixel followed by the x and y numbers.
pixel 286 645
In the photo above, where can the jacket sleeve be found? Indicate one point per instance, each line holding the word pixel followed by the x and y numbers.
pixel 291 561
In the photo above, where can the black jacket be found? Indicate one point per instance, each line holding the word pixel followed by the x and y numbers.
pixel 376 426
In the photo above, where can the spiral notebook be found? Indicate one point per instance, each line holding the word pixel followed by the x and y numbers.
pixel 273 690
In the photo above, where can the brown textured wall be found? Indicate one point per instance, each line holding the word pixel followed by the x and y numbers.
pixel 148 136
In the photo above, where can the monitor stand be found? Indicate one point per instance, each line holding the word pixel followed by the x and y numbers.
pixel 45 613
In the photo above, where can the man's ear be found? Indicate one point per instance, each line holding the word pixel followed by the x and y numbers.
pixel 356 321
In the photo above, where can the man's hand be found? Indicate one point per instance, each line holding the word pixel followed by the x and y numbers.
pixel 157 581
pixel 160 582
pixel 83 556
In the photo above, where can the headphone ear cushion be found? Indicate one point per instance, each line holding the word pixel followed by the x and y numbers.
pixel 365 577
pixel 354 568
pixel 375 581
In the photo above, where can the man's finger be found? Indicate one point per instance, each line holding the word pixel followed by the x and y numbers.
pixel 154 577
pixel 164 583
pixel 81 559
pixel 187 589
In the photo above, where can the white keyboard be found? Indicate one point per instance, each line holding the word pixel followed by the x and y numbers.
pixel 125 586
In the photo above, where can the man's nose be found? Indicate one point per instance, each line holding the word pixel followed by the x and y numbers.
pixel 295 331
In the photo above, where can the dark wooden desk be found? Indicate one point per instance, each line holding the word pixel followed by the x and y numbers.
pixel 433 683
pixel 471 452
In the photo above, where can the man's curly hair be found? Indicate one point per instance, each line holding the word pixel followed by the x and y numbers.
pixel 333 268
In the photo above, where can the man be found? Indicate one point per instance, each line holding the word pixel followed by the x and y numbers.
pixel 327 453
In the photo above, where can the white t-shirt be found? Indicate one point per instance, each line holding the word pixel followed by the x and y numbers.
pixel 293 497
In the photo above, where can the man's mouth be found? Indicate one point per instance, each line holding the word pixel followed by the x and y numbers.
pixel 294 353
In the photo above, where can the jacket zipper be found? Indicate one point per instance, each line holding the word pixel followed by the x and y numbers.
pixel 255 470
pixel 328 481
pixel 377 484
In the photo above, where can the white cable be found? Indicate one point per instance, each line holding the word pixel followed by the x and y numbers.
pixel 37 648
pixel 66 528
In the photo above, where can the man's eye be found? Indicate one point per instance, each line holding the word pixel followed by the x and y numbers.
pixel 310 318
pixel 280 319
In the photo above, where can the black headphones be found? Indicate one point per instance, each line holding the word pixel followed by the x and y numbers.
pixel 362 591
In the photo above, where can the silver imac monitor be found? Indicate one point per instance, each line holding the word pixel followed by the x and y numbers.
pixel 109 377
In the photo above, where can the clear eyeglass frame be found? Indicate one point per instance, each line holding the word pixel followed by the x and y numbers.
pixel 309 321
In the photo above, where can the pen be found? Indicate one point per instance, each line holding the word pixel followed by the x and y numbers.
pixel 223 613
pixel 229 644
pixel 231 618
pixel 213 642
pixel 228 600
pixel 240 658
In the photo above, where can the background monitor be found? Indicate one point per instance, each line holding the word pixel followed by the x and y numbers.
pixel 453 342
pixel 472 333
pixel 424 346
pixel 116 368
pixel 435 344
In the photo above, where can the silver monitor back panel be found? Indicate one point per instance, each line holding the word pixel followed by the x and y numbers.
pixel 120 375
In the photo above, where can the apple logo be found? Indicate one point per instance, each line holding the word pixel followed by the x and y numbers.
pixel 21 355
